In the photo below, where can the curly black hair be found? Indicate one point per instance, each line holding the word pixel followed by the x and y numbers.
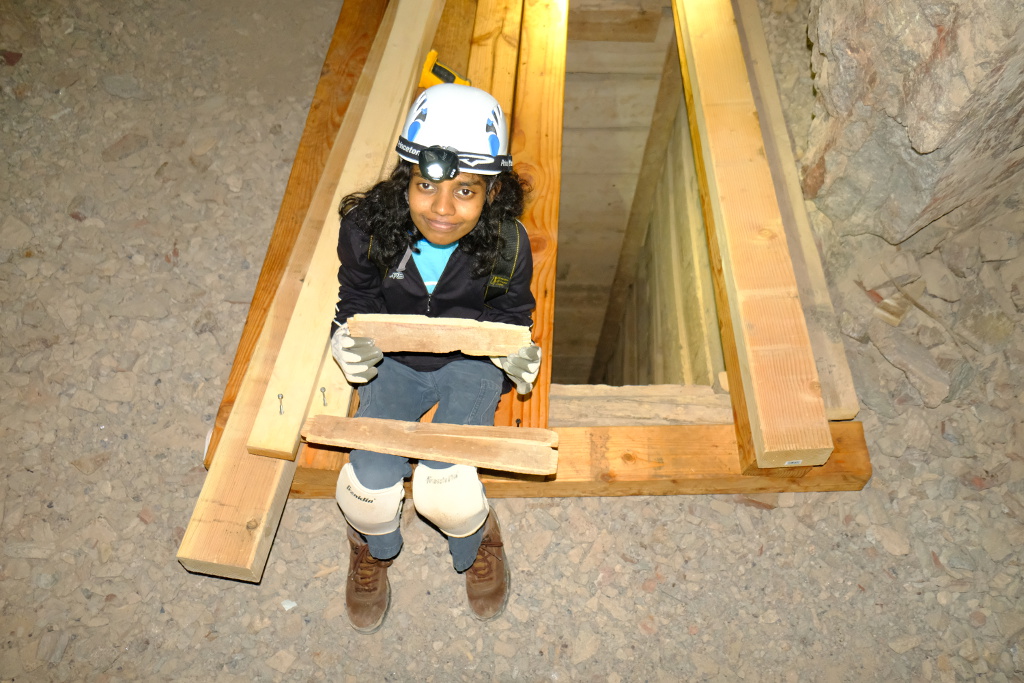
pixel 387 220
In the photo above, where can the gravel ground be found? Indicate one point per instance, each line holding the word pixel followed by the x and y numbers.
pixel 144 156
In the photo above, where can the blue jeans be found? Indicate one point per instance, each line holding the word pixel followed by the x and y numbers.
pixel 466 391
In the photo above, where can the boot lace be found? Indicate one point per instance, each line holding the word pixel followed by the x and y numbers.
pixel 366 570
pixel 485 566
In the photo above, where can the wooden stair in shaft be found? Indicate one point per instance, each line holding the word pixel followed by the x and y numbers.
pixel 517 52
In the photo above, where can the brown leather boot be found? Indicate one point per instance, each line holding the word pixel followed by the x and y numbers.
pixel 488 579
pixel 367 592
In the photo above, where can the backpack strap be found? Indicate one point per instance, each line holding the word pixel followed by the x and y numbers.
pixel 505 264
pixel 384 270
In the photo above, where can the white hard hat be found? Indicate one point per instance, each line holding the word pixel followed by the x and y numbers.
pixel 461 118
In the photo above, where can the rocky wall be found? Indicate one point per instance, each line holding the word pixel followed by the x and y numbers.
pixel 913 162
pixel 919 118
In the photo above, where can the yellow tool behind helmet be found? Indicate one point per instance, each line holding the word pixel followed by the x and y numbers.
pixel 435 73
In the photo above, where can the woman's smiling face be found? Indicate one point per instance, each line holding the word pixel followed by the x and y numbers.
pixel 446 211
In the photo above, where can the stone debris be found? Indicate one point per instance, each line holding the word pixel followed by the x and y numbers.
pixel 939 279
pixel 981 321
pixel 10 57
pixel 146 152
pixel 962 255
pixel 124 86
pixel 921 369
pixel 895 307
pixel 282 661
pixel 894 542
pixel 904 644
pixel 125 146
pixel 898 269
pixel 998 245
pixel 14 234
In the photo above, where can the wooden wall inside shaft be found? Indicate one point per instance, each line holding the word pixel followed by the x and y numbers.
pixel 613 70
pixel 670 331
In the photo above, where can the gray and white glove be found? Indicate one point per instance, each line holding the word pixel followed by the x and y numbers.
pixel 521 367
pixel 357 356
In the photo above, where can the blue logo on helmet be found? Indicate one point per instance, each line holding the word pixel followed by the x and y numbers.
pixel 492 138
pixel 414 127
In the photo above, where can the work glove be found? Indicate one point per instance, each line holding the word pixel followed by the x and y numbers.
pixel 357 356
pixel 521 367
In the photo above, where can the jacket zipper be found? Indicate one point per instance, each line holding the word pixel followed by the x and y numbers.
pixel 447 265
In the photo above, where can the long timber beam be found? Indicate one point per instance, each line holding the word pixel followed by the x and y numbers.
pixel 292 241
pixel 234 521
pixel 837 388
pixel 537 154
pixel 292 383
pixel 780 414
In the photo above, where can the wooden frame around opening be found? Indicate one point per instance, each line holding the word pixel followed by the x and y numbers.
pixel 594 461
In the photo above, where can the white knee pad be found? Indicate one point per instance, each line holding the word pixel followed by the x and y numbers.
pixel 369 511
pixel 452 498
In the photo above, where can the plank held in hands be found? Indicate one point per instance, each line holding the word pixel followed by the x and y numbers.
pixel 418 333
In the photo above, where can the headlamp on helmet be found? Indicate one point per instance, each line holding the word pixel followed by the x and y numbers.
pixel 439 164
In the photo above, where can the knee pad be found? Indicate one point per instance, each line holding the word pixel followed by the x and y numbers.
pixel 369 511
pixel 452 498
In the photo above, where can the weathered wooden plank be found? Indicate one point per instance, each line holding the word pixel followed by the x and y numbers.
pixel 234 521
pixel 665 109
pixel 646 461
pixel 669 300
pixel 418 333
pixel 646 304
pixel 507 449
pixel 494 54
pixel 455 34
pixel 688 243
pixel 600 405
pixel 837 387
pixel 621 25
pixel 773 380
pixel 289 244
pixel 537 153
pixel 293 381
pixel 576 328
pixel 615 56
pixel 631 373
pixel 333 395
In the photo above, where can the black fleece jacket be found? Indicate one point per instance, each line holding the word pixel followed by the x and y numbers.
pixel 457 293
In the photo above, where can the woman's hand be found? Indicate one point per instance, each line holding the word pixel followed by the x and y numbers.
pixel 521 367
pixel 357 356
